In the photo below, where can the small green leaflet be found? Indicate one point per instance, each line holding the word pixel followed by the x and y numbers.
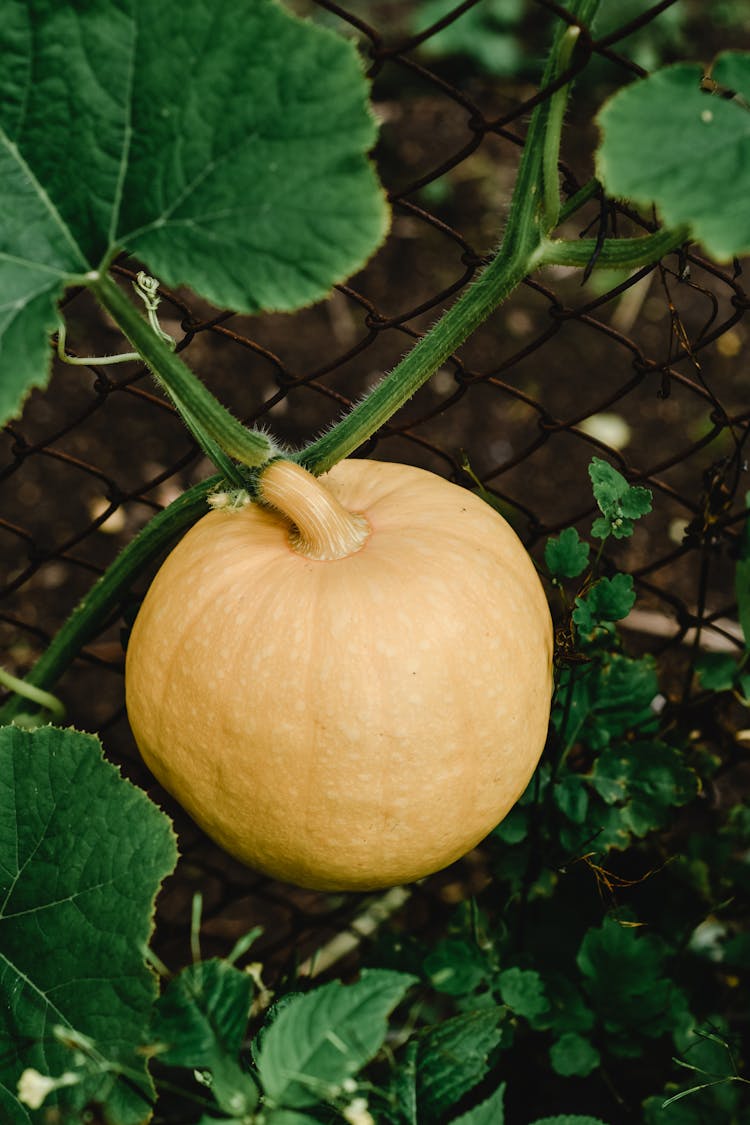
pixel 249 182
pixel 201 1019
pixel 717 671
pixel 442 1063
pixel 572 797
pixel 523 991
pixel 489 1112
pixel 609 599
pixel 620 503
pixel 566 556
pixel 82 855
pixel 667 142
pixel 568 1010
pixel 456 966
pixel 323 1037
pixel 572 1055
pixel 205 1006
pixel 649 778
pixel 610 696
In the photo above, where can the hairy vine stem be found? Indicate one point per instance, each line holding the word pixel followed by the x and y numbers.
pixel 525 245
pixel 93 611
pixel 520 251
pixel 203 413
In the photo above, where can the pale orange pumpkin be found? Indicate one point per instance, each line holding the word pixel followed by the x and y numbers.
pixel 348 690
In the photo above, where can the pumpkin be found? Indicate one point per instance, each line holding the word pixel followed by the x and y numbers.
pixel 348 685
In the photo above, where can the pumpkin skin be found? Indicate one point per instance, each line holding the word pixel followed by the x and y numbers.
pixel 354 723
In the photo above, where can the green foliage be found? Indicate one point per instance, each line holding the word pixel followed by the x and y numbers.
pixel 648 45
pixel 566 556
pixel 455 966
pixel 709 1087
pixel 627 986
pixel 523 991
pixel 717 671
pixel 318 1040
pixel 620 503
pixel 608 697
pixel 611 929
pixel 723 671
pixel 487 33
pixel 132 159
pixel 690 145
pixel 608 600
pixel 443 1062
pixel 572 1055
pixel 82 854
pixel 489 1112
pixel 200 1022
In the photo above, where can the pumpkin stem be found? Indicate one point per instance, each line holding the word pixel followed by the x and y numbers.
pixel 322 528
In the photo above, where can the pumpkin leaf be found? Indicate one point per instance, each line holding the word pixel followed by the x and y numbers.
pixel 323 1037
pixel 263 207
pixel 71 944
pixel 693 150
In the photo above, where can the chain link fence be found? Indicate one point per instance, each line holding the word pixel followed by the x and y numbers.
pixel 645 371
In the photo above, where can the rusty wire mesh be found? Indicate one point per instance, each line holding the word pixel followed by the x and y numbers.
pixel 96 455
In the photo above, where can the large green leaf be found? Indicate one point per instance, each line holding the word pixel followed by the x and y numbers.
pixel 318 1040
pixel 82 854
pixel 224 144
pixel 667 141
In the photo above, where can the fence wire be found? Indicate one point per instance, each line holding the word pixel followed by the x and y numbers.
pixel 645 371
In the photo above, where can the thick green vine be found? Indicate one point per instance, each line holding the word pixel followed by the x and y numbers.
pixel 526 244
pixel 93 611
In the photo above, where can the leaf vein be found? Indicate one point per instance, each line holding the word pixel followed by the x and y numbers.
pixel 50 207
